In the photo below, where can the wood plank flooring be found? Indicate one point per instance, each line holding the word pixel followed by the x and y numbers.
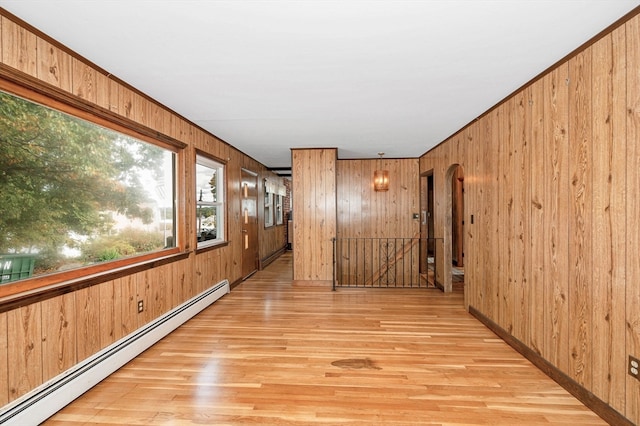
pixel 275 352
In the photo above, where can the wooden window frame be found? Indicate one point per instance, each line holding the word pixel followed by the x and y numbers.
pixel 25 291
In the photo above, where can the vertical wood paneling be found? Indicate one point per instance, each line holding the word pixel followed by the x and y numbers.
pixel 19 47
pixel 539 209
pixel 505 215
pixel 110 316
pixel 87 321
pixel 521 214
pixel 84 81
pixel 4 360
pixel 58 335
pixel 25 351
pixel 609 200
pixel 633 218
pixel 492 216
pixel 553 174
pixel 556 262
pixel 314 196
pixel 54 65
pixel 580 218
pixel 128 304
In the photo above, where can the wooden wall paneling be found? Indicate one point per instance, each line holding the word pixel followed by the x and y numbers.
pixel 178 282
pixel 609 203
pixel 84 80
pixel 317 169
pixel 310 211
pixel 54 65
pixel 633 207
pixel 580 218
pixel 19 47
pixel 4 360
pixel 556 116
pixel 58 335
pixel 521 245
pixel 539 207
pixel 128 305
pixel 299 205
pixel 473 179
pixel 505 216
pixel 489 216
pixel 110 315
pixel 330 222
pixel 126 103
pixel 158 118
pixel 234 252
pixel 25 351
pixel 102 89
pixel 87 322
pixel 114 97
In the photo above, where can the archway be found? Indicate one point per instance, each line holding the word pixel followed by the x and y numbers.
pixel 454 228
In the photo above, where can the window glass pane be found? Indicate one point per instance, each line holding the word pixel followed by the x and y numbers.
pixel 73 193
pixel 210 201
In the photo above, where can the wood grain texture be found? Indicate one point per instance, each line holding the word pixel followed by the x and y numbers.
pixel 363 212
pixel 556 262
pixel 608 239
pixel 19 47
pixel 273 352
pixel 87 322
pixel 581 192
pixel 25 352
pixel 4 360
pixel 54 66
pixel 58 335
pixel 105 312
pixel 632 289
pixel 314 188
pixel 553 194
pixel 539 212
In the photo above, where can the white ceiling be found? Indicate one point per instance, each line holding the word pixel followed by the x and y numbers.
pixel 362 76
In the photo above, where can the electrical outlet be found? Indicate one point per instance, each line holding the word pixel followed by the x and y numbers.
pixel 140 306
pixel 634 367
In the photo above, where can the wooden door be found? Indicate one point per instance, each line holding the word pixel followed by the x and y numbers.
pixel 249 191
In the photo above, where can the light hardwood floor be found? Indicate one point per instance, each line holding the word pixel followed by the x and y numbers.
pixel 274 352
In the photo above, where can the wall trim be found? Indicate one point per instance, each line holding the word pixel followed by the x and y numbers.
pixel 50 397
pixel 266 261
pixel 595 404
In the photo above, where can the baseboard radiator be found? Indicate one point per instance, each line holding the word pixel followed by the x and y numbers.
pixel 47 399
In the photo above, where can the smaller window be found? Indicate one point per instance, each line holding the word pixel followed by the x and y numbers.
pixel 278 206
pixel 268 206
pixel 210 203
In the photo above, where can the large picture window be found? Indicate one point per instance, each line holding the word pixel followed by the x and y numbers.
pixel 210 206
pixel 75 194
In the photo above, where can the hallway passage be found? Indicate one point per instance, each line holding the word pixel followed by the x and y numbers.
pixel 277 352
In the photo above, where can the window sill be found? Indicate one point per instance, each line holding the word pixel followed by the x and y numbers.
pixel 26 292
pixel 211 247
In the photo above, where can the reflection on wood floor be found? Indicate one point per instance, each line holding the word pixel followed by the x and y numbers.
pixel 277 352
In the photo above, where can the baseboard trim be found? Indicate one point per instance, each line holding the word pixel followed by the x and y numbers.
pixel 595 404
pixel 50 397
pixel 273 256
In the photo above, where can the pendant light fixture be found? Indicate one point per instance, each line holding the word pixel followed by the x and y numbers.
pixel 381 177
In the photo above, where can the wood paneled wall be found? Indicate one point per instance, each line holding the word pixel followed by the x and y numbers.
pixel 41 340
pixel 314 210
pixel 363 212
pixel 552 179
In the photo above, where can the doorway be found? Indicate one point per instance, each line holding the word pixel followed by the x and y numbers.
pixel 427 229
pixel 249 191
pixel 457 226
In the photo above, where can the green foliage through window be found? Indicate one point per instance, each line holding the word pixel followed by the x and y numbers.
pixel 73 193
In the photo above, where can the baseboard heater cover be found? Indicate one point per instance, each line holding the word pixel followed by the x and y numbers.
pixel 41 403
